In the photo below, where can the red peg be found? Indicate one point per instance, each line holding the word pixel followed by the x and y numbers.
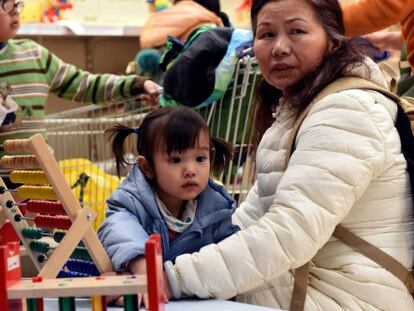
pixel 37 279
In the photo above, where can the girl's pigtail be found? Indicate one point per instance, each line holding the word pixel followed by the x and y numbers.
pixel 118 134
pixel 222 153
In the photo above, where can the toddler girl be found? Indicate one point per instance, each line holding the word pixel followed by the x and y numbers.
pixel 168 191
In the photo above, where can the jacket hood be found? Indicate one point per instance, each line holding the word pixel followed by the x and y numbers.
pixel 213 204
pixel 137 186
pixel 368 70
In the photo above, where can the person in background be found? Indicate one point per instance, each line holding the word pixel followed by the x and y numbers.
pixel 180 20
pixel 32 73
pixel 346 168
pixel 168 191
pixel 384 40
pixel 363 17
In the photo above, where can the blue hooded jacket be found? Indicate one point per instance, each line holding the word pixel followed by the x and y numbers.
pixel 133 215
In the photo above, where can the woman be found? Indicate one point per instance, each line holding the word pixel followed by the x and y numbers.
pixel 347 168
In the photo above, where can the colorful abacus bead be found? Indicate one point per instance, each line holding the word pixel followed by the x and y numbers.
pixel 36 192
pixel 29 177
pixel 81 253
pixel 71 274
pixel 45 207
pixel 32 233
pixel 40 247
pixel 83 266
pixel 58 222
pixel 19 162
pixel 17 146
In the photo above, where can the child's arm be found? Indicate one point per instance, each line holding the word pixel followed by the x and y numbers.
pixel 137 265
pixel 75 84
pixel 122 233
pixel 123 238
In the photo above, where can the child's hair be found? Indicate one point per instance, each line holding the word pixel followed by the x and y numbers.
pixel 176 127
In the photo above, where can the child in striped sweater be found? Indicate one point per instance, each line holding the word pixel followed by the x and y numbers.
pixel 32 72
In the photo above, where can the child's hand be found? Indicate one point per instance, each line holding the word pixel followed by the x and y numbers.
pixel 143 300
pixel 138 266
pixel 115 300
pixel 153 91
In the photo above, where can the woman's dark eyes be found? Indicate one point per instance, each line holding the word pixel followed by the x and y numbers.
pixel 266 35
pixel 296 31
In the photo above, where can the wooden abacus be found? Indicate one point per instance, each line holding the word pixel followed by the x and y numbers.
pixel 13 290
pixel 58 199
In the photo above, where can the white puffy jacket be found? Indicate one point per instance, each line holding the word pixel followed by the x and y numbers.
pixel 347 168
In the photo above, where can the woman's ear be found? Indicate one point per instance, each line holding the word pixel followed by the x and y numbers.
pixel 145 167
pixel 333 45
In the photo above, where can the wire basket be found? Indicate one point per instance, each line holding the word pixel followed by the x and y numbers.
pixel 232 119
pixel 78 139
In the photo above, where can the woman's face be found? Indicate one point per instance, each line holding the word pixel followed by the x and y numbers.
pixel 290 42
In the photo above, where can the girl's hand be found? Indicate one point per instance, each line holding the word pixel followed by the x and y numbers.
pixel 115 300
pixel 153 92
pixel 138 266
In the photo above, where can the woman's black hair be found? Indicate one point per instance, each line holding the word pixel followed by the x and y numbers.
pixel 176 127
pixel 335 64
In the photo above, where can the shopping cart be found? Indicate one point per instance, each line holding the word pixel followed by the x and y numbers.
pixel 84 153
pixel 232 119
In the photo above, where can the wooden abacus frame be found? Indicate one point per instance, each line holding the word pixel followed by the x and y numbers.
pixel 14 290
pixel 81 218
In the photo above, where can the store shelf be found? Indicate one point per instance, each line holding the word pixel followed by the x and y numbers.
pixel 71 28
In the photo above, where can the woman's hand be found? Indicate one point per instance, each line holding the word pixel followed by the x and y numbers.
pixel 167 289
pixel 153 92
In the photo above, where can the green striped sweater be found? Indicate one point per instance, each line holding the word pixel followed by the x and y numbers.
pixel 33 72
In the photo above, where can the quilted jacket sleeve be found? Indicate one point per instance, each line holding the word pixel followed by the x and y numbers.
pixel 340 148
pixel 122 234
pixel 250 210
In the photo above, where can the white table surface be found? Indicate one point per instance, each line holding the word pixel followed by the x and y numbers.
pixel 182 305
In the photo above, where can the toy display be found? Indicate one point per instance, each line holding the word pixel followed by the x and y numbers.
pixel 54 11
pixel 158 5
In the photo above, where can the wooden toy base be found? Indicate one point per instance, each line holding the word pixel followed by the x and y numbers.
pixel 68 287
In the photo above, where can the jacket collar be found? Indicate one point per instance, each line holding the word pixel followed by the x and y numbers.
pixel 370 71
pixel 211 202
